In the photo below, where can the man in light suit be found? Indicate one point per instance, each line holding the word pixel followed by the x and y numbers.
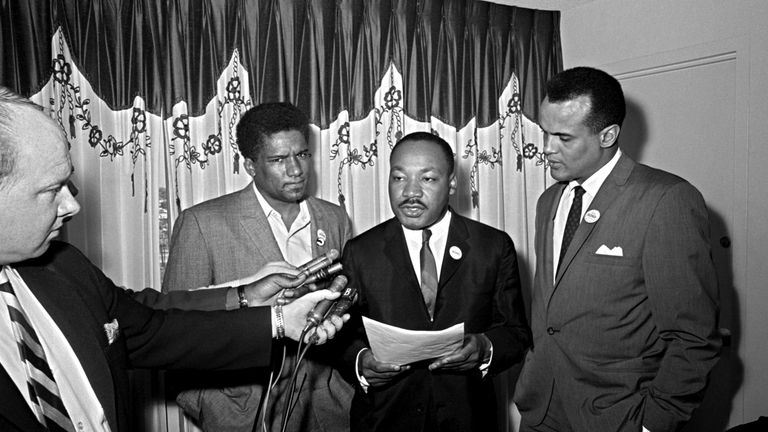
pixel 67 333
pixel 270 220
pixel 624 316
pixel 477 284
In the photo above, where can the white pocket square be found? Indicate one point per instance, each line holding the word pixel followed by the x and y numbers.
pixel 605 250
pixel 112 329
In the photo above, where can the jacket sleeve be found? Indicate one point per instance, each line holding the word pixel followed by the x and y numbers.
pixel 201 300
pixel 509 332
pixel 683 294
pixel 189 263
pixel 161 339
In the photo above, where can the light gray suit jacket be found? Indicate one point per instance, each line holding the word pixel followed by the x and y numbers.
pixel 625 340
pixel 228 238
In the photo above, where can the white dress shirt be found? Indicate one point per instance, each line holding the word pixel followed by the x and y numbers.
pixel 76 392
pixel 295 243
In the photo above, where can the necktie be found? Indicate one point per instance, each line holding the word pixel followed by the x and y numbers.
pixel 574 217
pixel 428 273
pixel 42 388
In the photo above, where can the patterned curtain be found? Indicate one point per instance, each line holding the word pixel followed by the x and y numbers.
pixel 149 93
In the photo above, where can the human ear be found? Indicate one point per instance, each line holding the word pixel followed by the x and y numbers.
pixel 609 135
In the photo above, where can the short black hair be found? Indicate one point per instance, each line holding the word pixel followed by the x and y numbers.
pixel 265 120
pixel 604 92
pixel 445 148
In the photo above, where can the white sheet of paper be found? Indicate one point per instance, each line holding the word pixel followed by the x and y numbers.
pixel 396 345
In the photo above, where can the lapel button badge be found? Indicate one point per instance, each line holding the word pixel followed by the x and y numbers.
pixel 455 252
pixel 592 216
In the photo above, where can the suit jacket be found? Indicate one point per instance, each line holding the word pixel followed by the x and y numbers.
pixel 479 285
pixel 228 238
pixel 81 299
pixel 625 340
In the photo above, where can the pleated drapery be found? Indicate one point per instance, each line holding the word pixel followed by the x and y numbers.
pixel 149 93
pixel 326 56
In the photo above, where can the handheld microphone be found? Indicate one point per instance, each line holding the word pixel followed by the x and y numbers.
pixel 322 273
pixel 343 303
pixel 318 263
pixel 339 307
pixel 316 315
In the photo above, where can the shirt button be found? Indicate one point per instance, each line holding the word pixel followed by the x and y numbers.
pixel 551 331
pixel 80 426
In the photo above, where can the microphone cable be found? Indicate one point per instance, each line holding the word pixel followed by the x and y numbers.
pixel 300 353
pixel 268 392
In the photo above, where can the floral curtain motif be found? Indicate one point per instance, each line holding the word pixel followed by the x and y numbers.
pixel 150 109
pixel 68 102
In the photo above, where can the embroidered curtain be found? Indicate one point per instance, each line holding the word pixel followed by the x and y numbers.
pixel 149 93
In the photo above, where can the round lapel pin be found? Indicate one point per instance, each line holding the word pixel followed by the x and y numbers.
pixel 592 216
pixel 455 252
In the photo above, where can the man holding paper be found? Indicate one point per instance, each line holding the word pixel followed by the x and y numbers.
pixel 430 269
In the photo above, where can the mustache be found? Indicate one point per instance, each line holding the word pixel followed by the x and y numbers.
pixel 411 201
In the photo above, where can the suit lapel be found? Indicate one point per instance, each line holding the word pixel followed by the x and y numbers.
pixel 14 407
pixel 456 241
pixel 545 239
pixel 59 298
pixel 607 194
pixel 319 221
pixel 396 252
pixel 255 223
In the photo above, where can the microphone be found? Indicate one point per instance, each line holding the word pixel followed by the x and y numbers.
pixel 322 273
pixel 339 307
pixel 343 303
pixel 290 294
pixel 318 263
pixel 317 314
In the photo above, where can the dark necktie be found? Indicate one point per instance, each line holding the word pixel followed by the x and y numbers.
pixel 574 217
pixel 43 390
pixel 428 273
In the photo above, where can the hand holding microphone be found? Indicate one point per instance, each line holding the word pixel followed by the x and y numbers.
pixel 317 269
pixel 315 304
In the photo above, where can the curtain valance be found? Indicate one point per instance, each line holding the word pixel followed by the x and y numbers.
pixel 326 56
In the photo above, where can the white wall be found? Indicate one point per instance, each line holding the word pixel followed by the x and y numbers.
pixel 633 37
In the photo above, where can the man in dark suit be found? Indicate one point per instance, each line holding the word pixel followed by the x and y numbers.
pixel 67 333
pixel 625 299
pixel 477 284
pixel 270 220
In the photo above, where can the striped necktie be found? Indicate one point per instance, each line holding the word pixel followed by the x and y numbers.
pixel 43 391
pixel 428 273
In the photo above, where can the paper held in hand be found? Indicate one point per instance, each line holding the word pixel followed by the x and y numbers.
pixel 399 346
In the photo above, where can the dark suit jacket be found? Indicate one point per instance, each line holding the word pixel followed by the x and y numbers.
pixel 481 288
pixel 81 299
pixel 228 238
pixel 626 340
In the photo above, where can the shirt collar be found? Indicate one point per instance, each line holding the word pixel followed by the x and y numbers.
pixel 439 229
pixel 303 216
pixel 596 180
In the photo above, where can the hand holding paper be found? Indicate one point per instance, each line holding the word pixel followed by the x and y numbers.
pixel 378 373
pixel 471 355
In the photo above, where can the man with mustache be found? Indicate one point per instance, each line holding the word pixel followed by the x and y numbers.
pixel 429 268
pixel 273 223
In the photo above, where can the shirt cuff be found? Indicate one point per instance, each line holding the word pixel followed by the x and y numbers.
pixel 484 366
pixel 360 378
pixel 645 430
